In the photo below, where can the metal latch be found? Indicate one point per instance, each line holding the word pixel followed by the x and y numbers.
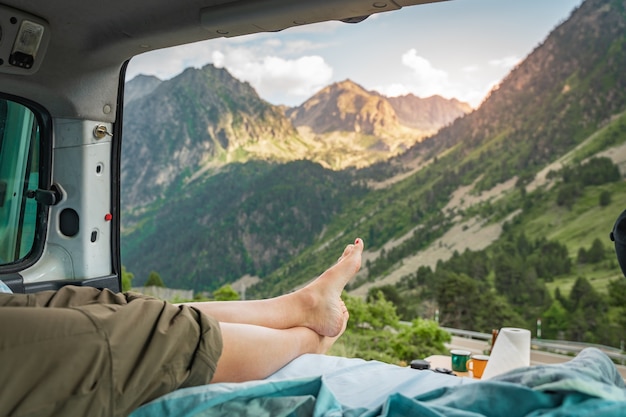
pixel 100 131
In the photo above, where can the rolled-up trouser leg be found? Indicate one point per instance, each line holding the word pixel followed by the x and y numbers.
pixel 84 352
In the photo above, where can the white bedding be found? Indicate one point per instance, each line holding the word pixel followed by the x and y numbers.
pixel 325 386
pixel 357 383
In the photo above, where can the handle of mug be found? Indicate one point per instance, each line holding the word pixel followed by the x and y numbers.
pixel 469 365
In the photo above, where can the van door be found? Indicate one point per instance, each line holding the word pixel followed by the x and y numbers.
pixel 29 260
pixel 19 181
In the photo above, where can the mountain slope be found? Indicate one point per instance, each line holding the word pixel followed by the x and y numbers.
pixel 201 118
pixel 140 86
pixel 346 106
pixel 345 119
pixel 181 129
pixel 555 98
pixel 567 89
pixel 179 178
pixel 428 114
pixel 247 219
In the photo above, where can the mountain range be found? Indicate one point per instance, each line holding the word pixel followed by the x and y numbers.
pixel 205 118
pixel 218 184
pixel 222 128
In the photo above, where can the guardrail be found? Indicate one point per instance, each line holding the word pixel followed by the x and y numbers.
pixel 467 333
pixel 555 346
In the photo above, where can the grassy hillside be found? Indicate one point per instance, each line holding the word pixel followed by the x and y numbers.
pixel 577 228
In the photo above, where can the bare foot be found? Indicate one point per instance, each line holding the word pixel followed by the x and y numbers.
pixel 324 309
pixel 327 342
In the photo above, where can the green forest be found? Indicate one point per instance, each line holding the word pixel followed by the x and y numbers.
pixel 528 274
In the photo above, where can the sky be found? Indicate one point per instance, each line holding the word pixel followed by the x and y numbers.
pixel 457 49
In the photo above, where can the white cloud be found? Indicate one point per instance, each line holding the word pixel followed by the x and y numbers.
pixel 275 77
pixel 429 80
pixel 261 62
pixel 394 90
pixel 426 80
pixel 289 70
pixel 169 62
pixel 218 59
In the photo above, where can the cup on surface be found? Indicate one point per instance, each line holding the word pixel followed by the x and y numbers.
pixel 477 365
pixel 459 359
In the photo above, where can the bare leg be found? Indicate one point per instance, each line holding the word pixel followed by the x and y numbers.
pixel 317 306
pixel 262 336
pixel 255 352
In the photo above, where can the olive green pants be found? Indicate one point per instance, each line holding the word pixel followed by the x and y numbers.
pixel 85 352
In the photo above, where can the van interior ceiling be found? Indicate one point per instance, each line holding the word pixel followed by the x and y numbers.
pixel 89 42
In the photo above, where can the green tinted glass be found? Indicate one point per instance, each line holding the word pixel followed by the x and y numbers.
pixel 19 173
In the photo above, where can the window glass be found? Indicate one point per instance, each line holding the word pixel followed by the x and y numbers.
pixel 19 174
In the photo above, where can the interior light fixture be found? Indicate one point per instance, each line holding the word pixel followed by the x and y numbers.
pixel 24 40
pixel 26 44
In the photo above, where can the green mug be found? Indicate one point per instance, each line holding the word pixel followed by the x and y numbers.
pixel 459 359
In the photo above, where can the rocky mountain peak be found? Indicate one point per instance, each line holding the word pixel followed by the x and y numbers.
pixel 140 86
pixel 202 119
pixel 430 113
pixel 346 106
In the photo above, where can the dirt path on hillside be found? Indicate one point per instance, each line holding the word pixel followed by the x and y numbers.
pixel 463 197
pixel 617 154
pixel 472 234
pixel 244 282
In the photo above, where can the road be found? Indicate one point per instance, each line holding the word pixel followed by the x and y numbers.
pixel 537 357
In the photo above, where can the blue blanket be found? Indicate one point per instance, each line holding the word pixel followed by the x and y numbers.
pixel 588 385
